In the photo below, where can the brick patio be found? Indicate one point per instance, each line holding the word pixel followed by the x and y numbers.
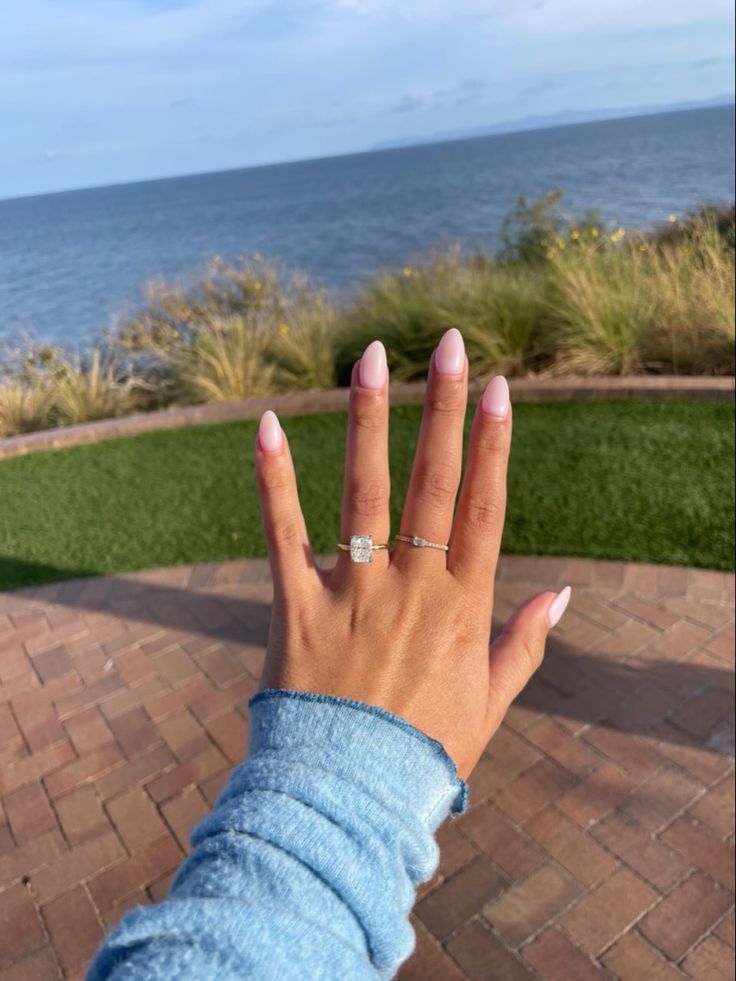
pixel 599 843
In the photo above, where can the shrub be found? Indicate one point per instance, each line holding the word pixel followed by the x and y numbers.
pixel 302 348
pixel 638 307
pixel 225 360
pixel 84 392
pixel 563 296
pixel 24 407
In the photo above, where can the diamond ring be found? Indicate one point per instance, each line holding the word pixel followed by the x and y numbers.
pixel 361 548
pixel 418 542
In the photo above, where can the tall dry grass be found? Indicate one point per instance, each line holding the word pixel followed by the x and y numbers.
pixel 24 407
pixel 562 297
pixel 636 308
pixel 84 393
pixel 498 308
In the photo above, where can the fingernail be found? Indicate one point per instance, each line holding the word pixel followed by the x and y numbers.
pixel 495 399
pixel 449 358
pixel 373 370
pixel 558 606
pixel 270 434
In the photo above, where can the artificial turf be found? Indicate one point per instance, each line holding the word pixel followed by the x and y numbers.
pixel 641 481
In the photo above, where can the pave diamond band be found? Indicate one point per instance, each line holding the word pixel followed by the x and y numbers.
pixel 361 548
pixel 418 542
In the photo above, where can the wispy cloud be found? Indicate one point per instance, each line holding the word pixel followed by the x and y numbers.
pixel 117 89
pixel 182 103
pixel 712 62
pixel 469 90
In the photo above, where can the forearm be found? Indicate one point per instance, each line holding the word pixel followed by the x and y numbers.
pixel 308 864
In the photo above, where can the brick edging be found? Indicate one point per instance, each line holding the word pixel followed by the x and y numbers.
pixel 335 400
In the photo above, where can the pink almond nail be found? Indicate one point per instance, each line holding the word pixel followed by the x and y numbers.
pixel 495 399
pixel 558 606
pixel 373 371
pixel 449 358
pixel 270 434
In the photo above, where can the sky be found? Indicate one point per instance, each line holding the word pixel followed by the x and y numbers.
pixel 106 91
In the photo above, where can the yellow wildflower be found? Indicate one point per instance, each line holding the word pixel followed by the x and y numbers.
pixel 551 253
pixel 283 330
pixel 594 233
pixel 672 218
pixel 684 251
pixel 643 248
pixel 575 234
pixel 256 284
pixel 407 271
pixel 559 242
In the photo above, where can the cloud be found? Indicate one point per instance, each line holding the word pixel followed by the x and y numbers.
pixel 536 88
pixel 546 16
pixel 711 62
pixel 52 33
pixel 410 103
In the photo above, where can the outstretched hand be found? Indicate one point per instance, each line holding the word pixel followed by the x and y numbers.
pixel 408 631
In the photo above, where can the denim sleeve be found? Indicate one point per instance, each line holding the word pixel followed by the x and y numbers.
pixel 307 866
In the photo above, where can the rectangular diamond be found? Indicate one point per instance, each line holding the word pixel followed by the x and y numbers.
pixel 360 548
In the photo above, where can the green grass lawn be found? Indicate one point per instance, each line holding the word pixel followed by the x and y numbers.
pixel 644 481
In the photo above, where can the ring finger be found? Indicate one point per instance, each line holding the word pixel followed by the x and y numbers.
pixel 435 476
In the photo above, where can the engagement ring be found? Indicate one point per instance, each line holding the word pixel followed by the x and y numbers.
pixel 361 548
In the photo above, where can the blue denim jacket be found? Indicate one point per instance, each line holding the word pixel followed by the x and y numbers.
pixel 307 866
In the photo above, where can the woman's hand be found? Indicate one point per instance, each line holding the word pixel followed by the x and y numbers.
pixel 410 630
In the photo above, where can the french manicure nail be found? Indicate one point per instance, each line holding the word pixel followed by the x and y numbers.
pixel 270 434
pixel 558 606
pixel 449 358
pixel 495 399
pixel 373 371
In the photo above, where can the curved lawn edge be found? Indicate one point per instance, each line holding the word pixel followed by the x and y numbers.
pixel 402 393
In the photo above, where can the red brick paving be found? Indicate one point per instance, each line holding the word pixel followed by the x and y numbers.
pixel 599 842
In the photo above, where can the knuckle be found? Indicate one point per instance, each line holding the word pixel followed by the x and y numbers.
pixel 447 397
pixel 468 624
pixel 369 422
pixel 368 411
pixel 368 499
pixel 492 438
pixel 485 510
pixel 285 533
pixel 275 478
pixel 275 482
pixel 437 486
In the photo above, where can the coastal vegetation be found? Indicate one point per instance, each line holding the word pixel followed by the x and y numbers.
pixel 564 295
pixel 612 480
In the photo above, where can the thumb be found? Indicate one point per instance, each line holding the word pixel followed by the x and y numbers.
pixel 518 651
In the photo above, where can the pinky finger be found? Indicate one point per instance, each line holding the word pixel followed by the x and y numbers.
pixel 283 522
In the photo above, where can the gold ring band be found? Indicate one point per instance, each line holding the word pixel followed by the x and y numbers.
pixel 418 542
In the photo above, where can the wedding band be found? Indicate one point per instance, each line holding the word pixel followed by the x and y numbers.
pixel 418 542
pixel 361 548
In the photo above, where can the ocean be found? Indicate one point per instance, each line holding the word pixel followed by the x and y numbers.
pixel 71 262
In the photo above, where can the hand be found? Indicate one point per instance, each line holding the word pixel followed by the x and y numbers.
pixel 410 630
